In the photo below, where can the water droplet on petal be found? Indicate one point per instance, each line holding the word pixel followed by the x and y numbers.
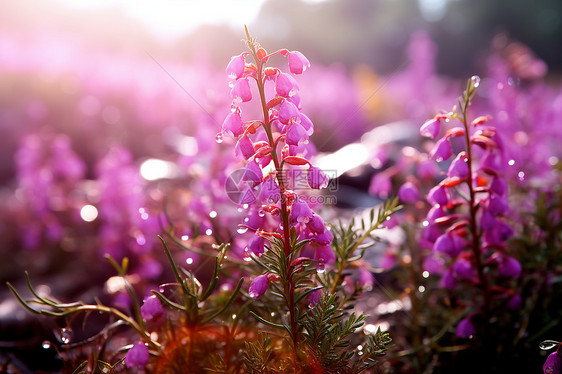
pixel 46 344
pixel 261 213
pixel 219 138
pixel 548 344
pixel 475 79
pixel 254 294
pixel 242 230
pixel 65 335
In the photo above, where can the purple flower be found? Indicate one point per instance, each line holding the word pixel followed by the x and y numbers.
pixel 430 128
pixel 448 280
pixel 296 134
pixel 509 267
pixel 314 297
pixel 316 178
pixel 553 364
pixel 316 224
pixel 300 212
pixel 427 169
pixel 241 91
pixel 151 309
pixel 442 150
pixel 244 147
pixel 298 63
pixel 450 244
pixel 433 264
pixel 465 329
pixel 258 286
pixel 459 167
pixel 499 186
pixel 463 268
pixel 324 254
pixel 497 205
pixel 288 112
pixel 435 212
pixel 256 245
pixel 252 173
pixel 137 356
pixel 233 124
pixel 285 85
pixel 438 195
pixel 235 67
pixel 325 238
pixel 514 302
pixel 408 193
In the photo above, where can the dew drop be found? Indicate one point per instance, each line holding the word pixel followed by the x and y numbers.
pixel 320 267
pixel 254 294
pixel 261 213
pixel 65 335
pixel 548 344
pixel 242 229
pixel 475 79
pixel 219 138
pixel 46 344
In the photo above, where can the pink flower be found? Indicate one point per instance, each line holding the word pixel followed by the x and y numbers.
pixel 241 91
pixel 285 85
pixel 296 134
pixel 316 224
pixel 137 356
pixel 553 364
pixel 459 167
pixel 442 150
pixel 298 63
pixel 258 286
pixel 233 124
pixel 509 267
pixel 430 128
pixel 235 67
pixel 244 147
pixel 256 245
pixel 380 185
pixel 300 212
pixel 438 195
pixel 316 178
pixel 307 124
pixel 288 112
pixel 314 297
pixel 324 254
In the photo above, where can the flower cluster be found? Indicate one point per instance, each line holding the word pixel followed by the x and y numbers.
pixel 466 227
pixel 273 148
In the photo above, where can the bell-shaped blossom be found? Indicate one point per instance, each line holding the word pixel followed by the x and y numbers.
pixel 300 212
pixel 137 357
pixel 285 85
pixel 269 191
pixel 438 195
pixel 307 124
pixel 553 364
pixel 442 150
pixel 316 178
pixel 258 286
pixel 499 186
pixel 256 245
pixel 509 267
pixel 459 167
pixel 449 243
pixel 435 212
pixel 324 238
pixel 314 297
pixel 241 91
pixel 296 134
pixel 316 224
pixel 324 254
pixel 252 173
pixel 464 269
pixel 465 328
pixel 298 63
pixel 151 309
pixel 244 147
pixel 497 205
pixel 497 234
pixel 288 112
pixel 233 124
pixel 408 193
pixel 235 67
pixel 430 128
pixel 434 264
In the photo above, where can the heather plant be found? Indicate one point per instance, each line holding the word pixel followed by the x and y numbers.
pixel 285 304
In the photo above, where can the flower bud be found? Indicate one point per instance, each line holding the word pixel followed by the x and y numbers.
pixel 244 147
pixel 442 150
pixel 438 195
pixel 459 167
pixel 296 134
pixel 288 112
pixel 233 124
pixel 300 212
pixel 285 85
pixel 509 267
pixel 465 329
pixel 151 309
pixel 430 128
pixel 256 245
pixel 408 193
pixel 241 91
